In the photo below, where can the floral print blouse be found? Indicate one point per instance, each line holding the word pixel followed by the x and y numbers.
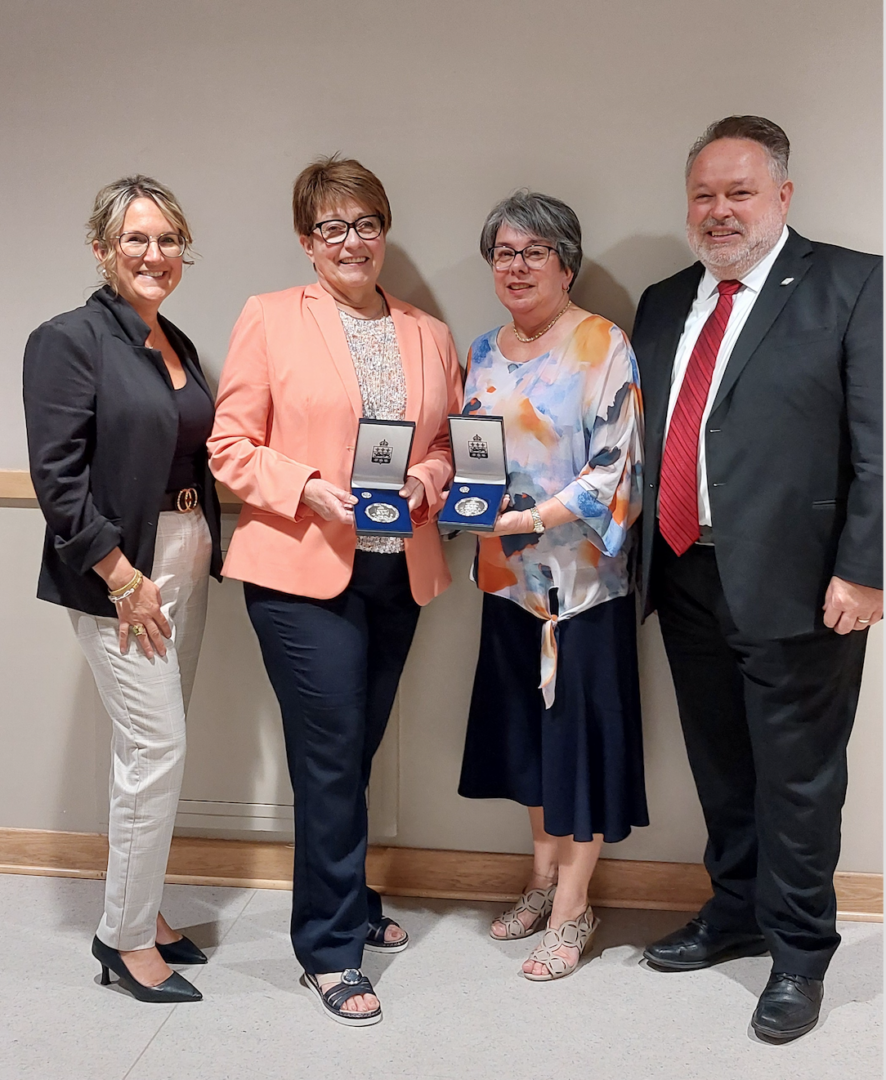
pixel 574 430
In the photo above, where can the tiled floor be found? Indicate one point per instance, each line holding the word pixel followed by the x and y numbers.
pixel 455 1006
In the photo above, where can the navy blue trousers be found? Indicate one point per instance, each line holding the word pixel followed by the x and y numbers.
pixel 334 666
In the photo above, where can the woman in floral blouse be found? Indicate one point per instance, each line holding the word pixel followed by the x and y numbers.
pixel 555 714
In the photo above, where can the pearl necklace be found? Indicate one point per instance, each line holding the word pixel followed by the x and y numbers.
pixel 541 333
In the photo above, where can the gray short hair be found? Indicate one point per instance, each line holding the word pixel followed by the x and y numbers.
pixel 110 208
pixel 538 215
pixel 756 128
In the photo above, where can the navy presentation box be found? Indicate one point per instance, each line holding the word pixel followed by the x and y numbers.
pixel 481 473
pixel 381 459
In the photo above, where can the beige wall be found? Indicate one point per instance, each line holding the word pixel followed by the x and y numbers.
pixel 453 105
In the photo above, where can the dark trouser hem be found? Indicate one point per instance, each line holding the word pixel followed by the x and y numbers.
pixel 725 917
pixel 809 965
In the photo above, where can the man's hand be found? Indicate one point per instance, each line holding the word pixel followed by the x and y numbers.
pixel 849 607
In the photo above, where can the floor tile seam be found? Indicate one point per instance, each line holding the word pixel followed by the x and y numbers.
pixel 148 1044
pixel 196 974
pixel 171 1012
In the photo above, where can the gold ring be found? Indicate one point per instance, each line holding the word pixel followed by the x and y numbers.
pixel 138 629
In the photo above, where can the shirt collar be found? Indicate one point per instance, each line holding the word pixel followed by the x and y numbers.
pixel 754 279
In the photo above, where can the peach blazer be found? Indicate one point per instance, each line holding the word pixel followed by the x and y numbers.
pixel 287 410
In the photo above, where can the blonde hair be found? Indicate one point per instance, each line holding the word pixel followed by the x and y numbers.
pixel 109 211
pixel 331 179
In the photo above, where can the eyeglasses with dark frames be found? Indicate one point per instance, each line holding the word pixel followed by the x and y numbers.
pixel 135 244
pixel 534 255
pixel 335 231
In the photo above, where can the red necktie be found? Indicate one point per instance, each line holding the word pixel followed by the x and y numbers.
pixel 678 484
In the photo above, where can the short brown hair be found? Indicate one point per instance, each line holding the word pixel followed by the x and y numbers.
pixel 330 179
pixel 756 128
pixel 110 208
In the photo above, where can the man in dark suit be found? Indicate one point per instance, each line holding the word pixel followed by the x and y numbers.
pixel 761 368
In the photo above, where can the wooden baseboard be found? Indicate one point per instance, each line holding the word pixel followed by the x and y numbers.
pixel 16 489
pixel 456 875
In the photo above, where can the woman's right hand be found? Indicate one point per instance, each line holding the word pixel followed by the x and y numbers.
pixel 143 609
pixel 328 501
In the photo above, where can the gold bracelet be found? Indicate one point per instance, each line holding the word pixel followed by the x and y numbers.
pixel 116 595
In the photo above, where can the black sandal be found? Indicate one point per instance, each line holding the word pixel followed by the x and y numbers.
pixel 375 937
pixel 353 982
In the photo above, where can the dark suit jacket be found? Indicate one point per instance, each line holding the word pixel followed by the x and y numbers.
pixel 794 440
pixel 102 427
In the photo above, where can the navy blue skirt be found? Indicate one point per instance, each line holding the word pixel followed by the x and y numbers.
pixel 582 759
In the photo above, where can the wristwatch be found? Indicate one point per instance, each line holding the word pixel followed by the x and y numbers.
pixel 537 524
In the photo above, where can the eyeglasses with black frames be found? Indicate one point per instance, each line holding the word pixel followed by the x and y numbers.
pixel 368 227
pixel 534 256
pixel 135 244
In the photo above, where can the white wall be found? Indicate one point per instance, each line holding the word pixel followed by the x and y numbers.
pixel 453 105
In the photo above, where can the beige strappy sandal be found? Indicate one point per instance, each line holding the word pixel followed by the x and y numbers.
pixel 538 902
pixel 575 933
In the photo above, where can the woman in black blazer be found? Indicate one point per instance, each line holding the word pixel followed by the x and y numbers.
pixel 118 413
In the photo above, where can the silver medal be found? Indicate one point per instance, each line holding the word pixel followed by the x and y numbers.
pixel 473 507
pixel 382 513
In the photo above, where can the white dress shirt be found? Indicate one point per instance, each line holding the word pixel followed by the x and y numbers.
pixel 703 306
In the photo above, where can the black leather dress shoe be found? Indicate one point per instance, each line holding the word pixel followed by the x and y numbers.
pixel 699 945
pixel 788 1007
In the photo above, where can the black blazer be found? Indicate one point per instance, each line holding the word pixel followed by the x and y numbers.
pixel 794 440
pixel 102 427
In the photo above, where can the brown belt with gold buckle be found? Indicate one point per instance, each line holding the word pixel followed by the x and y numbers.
pixel 183 501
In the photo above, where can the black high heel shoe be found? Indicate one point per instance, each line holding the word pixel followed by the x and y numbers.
pixel 175 988
pixel 183 951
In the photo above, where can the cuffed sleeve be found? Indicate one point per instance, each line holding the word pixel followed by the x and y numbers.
pixel 606 494
pixel 238 453
pixel 59 399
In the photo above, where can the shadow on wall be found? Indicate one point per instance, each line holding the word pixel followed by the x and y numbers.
pixel 612 284
pixel 400 277
pixel 597 290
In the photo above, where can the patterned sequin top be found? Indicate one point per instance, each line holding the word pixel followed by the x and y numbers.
pixel 574 431
pixel 376 356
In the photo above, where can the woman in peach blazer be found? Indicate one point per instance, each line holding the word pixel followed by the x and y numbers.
pixel 335 614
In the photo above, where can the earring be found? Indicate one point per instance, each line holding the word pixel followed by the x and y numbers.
pixel 102 271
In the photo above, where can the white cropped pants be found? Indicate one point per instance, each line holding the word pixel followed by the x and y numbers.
pixel 147 701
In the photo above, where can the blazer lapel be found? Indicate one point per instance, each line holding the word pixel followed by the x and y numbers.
pixel 410 345
pixel 792 262
pixel 322 307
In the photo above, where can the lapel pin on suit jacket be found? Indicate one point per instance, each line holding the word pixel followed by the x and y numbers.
pixel 787 281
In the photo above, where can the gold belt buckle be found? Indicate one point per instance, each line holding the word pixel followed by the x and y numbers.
pixel 186 500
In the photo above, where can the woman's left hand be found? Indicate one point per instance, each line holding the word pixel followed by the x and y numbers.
pixel 413 491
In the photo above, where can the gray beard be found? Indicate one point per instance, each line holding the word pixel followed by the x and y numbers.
pixel 735 264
